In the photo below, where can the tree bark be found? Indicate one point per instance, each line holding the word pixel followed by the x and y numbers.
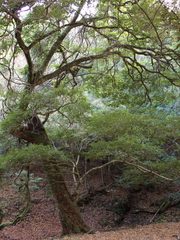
pixel 70 217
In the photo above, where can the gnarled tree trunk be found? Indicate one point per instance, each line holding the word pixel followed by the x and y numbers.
pixel 70 217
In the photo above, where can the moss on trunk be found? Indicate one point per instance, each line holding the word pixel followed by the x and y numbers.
pixel 71 219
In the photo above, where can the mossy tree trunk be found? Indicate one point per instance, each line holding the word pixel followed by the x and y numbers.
pixel 70 217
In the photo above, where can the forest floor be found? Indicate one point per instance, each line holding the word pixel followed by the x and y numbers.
pixel 42 221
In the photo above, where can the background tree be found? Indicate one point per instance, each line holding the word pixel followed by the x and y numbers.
pixel 63 45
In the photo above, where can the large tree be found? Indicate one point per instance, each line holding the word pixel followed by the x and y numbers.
pixel 58 42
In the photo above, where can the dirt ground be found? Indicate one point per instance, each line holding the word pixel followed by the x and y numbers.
pixel 42 221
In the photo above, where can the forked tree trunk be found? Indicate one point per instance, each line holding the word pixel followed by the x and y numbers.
pixel 70 217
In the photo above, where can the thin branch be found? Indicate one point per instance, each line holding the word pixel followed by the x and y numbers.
pixel 58 42
pixel 145 170
pixel 151 22
pixel 22 45
pixel 156 212
pixel 142 169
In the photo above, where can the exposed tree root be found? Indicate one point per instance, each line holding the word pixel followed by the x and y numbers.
pixel 27 198
pixel 18 218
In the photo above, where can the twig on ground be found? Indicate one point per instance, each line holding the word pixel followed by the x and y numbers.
pixel 156 212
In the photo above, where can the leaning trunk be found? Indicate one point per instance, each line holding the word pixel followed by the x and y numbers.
pixel 70 217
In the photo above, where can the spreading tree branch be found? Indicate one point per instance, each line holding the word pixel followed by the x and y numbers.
pixel 58 42
pixel 140 168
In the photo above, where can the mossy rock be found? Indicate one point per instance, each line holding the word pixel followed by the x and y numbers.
pixel 121 207
pixel 121 204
